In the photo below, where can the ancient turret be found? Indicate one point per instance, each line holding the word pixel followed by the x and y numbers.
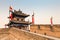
pixel 18 20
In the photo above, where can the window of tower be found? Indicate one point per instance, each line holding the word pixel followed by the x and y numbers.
pixel 22 20
pixel 17 19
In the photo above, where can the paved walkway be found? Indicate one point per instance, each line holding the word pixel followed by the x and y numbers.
pixel 17 34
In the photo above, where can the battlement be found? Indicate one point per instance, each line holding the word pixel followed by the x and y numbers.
pixel 46 29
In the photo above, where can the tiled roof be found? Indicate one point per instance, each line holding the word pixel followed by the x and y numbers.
pixel 20 13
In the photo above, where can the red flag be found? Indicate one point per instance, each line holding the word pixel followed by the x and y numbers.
pixel 10 13
pixel 51 21
pixel 11 16
pixel 33 18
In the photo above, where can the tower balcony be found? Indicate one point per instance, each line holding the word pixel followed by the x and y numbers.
pixel 20 22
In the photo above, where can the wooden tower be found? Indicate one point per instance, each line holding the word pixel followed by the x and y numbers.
pixel 18 20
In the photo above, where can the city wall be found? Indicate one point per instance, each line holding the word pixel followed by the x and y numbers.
pixel 26 35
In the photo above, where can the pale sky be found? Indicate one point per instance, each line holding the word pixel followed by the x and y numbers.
pixel 43 10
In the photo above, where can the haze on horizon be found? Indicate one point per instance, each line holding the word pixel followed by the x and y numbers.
pixel 43 10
